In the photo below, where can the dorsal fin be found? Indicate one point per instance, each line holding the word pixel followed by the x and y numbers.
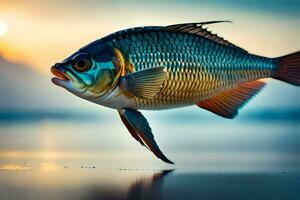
pixel 197 29
pixel 229 102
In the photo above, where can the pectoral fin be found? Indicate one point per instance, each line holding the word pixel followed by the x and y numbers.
pixel 145 83
pixel 139 128
pixel 228 103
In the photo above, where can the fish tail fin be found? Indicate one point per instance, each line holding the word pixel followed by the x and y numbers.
pixel 288 69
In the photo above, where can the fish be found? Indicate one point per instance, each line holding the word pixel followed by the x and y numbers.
pixel 165 67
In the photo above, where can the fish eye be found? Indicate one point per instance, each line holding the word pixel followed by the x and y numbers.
pixel 81 62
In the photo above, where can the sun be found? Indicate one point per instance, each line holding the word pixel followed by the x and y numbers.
pixel 3 28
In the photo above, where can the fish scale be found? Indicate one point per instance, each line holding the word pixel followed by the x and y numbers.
pixel 197 68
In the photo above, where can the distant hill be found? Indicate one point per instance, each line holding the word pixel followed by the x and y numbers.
pixel 23 89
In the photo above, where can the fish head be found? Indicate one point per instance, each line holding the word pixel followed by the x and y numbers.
pixel 90 72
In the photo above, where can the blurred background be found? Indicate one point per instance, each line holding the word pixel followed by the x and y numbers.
pixel 43 126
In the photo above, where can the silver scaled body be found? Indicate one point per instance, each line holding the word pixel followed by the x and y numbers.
pixel 196 68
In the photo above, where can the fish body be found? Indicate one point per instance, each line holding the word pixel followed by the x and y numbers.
pixel 196 68
pixel 179 65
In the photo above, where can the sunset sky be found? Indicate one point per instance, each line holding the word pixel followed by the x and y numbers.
pixel 40 33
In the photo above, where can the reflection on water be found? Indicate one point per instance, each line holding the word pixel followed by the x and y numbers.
pixel 99 160
pixel 153 189
pixel 133 184
pixel 143 188
pixel 19 182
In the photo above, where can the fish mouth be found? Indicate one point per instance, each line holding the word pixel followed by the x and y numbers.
pixel 61 77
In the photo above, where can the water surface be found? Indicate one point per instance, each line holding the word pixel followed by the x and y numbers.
pixel 98 159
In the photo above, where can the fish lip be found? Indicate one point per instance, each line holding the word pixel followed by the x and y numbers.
pixel 61 77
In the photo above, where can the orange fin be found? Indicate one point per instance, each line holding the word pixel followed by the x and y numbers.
pixel 228 103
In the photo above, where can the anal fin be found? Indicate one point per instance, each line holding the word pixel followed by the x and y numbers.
pixel 227 104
